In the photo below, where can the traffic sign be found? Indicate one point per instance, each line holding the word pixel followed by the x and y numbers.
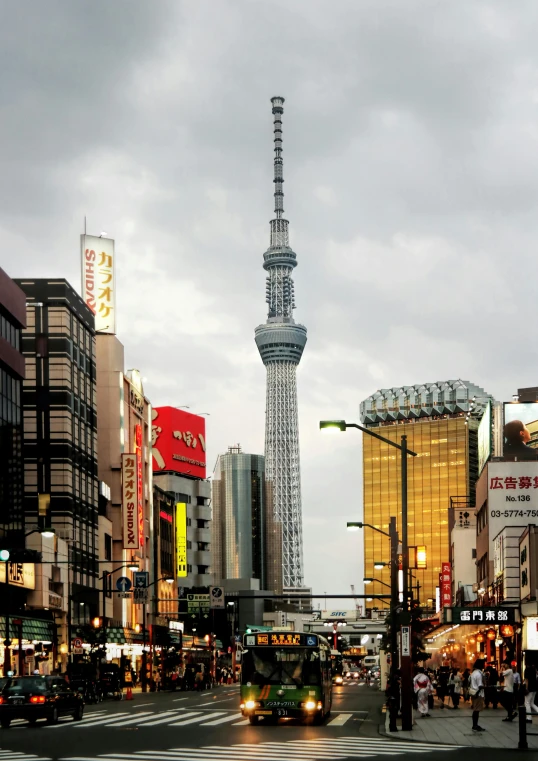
pixel 141 579
pixel 77 646
pixel 197 603
pixel 140 595
pixel 123 584
pixel 216 597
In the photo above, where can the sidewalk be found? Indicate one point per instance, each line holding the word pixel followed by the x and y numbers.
pixel 453 727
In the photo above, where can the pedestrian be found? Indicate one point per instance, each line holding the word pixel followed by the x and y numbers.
pixel 455 687
pixel 531 679
pixel 157 679
pixel 492 681
pixel 507 695
pixel 423 688
pixel 466 676
pixel 199 678
pixel 442 684
pixel 476 691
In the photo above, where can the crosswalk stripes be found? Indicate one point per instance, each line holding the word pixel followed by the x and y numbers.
pixel 12 755
pixel 295 750
pixel 176 717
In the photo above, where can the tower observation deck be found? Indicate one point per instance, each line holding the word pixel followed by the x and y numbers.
pixel 281 342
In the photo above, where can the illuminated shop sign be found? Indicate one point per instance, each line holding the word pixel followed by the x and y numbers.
pixel 479 615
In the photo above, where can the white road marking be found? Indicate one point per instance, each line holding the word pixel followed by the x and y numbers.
pixel 222 721
pixel 196 717
pixel 162 718
pixel 340 720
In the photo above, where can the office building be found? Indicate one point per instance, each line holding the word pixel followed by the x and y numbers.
pixel 124 428
pixel 281 342
pixel 179 470
pixel 61 484
pixel 440 421
pixel 247 541
pixel 12 321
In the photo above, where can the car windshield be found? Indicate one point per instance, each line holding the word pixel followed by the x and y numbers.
pixel 297 666
pixel 26 684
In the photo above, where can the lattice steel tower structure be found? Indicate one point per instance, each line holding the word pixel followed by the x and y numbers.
pixel 280 343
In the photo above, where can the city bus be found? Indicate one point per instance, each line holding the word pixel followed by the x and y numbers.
pixel 286 675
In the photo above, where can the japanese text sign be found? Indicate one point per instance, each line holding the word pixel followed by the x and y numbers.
pixel 181 540
pixel 98 282
pixel 139 484
pixel 512 495
pixel 178 440
pixel 479 615
pixel 446 585
pixel 129 501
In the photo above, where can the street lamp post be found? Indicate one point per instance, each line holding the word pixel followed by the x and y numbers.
pixel 132 566
pixel 406 661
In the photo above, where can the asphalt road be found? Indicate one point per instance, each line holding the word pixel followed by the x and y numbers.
pixel 208 726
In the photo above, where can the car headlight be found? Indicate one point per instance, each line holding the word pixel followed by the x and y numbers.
pixel 310 705
pixel 339 680
pixel 250 704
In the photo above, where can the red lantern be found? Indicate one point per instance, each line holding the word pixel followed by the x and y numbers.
pixel 480 638
pixel 491 634
pixel 507 630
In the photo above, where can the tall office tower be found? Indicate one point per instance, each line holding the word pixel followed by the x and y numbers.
pixel 246 541
pixel 281 342
pixel 440 421
pixel 61 486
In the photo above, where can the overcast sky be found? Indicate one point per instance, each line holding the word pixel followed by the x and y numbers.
pixel 411 168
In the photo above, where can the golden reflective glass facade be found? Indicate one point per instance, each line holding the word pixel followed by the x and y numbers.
pixel 440 471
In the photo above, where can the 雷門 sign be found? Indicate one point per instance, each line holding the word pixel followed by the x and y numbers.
pixel 479 615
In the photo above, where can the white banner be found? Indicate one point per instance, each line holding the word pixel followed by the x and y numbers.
pixel 98 281
pixel 512 495
pixel 129 502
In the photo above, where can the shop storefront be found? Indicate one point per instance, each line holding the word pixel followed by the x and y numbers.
pixel 32 645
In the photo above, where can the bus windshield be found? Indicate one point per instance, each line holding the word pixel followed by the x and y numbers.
pixel 266 665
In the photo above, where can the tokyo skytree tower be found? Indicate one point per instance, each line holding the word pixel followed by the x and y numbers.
pixel 281 342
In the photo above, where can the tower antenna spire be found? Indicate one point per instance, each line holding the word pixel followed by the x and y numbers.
pixel 280 342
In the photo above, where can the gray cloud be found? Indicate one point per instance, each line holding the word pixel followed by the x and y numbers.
pixel 410 164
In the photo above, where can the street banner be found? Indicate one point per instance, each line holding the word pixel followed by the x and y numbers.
pixel 129 501
pixel 446 585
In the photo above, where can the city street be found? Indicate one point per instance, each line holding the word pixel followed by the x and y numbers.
pixel 208 726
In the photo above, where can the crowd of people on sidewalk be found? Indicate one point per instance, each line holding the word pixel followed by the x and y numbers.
pixel 194 676
pixel 480 686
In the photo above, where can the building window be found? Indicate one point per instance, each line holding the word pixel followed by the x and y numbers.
pixel 200 500
pixel 108 547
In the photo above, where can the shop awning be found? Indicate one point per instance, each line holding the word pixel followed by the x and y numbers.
pixel 32 629
pixel 115 635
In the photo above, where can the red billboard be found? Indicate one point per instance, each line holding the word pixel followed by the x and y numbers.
pixel 178 440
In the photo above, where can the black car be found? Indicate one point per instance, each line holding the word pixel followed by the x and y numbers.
pixel 39 697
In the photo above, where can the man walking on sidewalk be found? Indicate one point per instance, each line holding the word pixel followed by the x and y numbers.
pixel 476 691
pixel 508 692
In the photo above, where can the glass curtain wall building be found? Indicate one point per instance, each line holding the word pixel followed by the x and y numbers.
pixel 440 422
pixel 246 539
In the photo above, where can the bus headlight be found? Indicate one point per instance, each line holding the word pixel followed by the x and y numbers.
pixel 250 704
pixel 310 705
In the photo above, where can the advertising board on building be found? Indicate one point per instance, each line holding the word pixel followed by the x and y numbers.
pixel 18 574
pixel 530 633
pixel 129 501
pixel 139 484
pixel 98 281
pixel 445 582
pixel 338 615
pixel 512 495
pixel 484 438
pixel 520 432
pixel 178 441
pixel 181 539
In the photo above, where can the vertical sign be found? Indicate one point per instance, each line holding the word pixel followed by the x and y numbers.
pixel 181 539
pixel 129 470
pixel 139 484
pixel 446 585
pixel 406 641
pixel 98 282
